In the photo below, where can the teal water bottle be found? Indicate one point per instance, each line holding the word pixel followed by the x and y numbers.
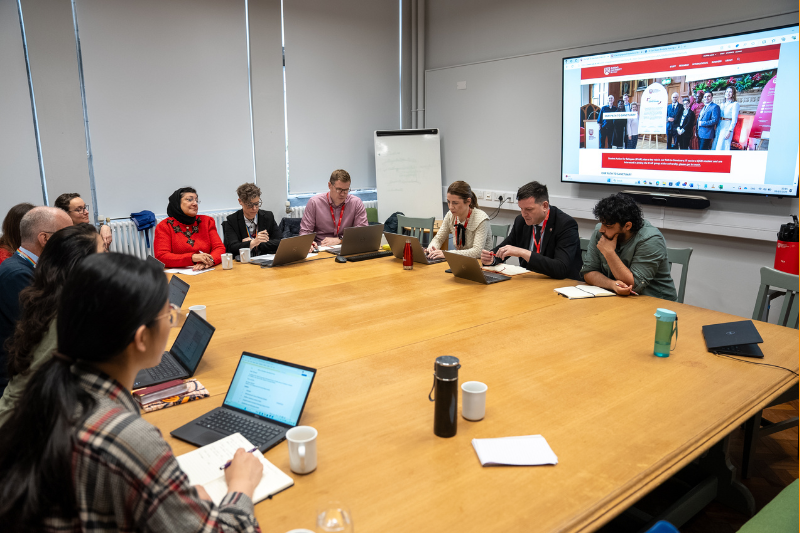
pixel 666 325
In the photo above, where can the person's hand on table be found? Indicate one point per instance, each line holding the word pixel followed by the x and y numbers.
pixel 105 233
pixel 244 474
pixel 487 257
pixel 622 289
pixel 202 260
pixel 433 253
pixel 330 241
pixel 509 251
pixel 607 246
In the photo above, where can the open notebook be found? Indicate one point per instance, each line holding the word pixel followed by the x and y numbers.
pixel 583 291
pixel 203 468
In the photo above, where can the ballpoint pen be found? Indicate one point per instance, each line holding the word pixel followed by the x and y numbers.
pixel 226 465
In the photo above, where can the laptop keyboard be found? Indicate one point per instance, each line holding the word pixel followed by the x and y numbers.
pixel 227 422
pixel 494 277
pixel 371 255
pixel 166 368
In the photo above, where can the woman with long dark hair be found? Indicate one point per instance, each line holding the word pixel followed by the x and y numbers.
pixel 11 239
pixel 468 224
pixel 76 455
pixel 184 238
pixel 34 337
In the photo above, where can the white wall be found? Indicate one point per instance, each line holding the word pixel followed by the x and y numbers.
pixel 19 167
pixel 505 129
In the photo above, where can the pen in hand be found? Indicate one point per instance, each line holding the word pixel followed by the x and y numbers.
pixel 226 465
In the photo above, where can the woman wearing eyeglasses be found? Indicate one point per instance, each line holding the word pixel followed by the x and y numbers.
pixel 251 226
pixel 34 337
pixel 78 211
pixel 184 238
pixel 76 454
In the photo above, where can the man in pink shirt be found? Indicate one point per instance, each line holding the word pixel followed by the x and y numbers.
pixel 329 213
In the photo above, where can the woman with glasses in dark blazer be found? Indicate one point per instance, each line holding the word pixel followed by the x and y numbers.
pixel 251 227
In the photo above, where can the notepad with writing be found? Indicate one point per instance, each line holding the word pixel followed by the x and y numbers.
pixel 507 270
pixel 203 468
pixel 527 450
pixel 583 291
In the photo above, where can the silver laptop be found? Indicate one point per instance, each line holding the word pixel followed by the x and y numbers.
pixel 264 401
pixel 398 243
pixel 182 359
pixel 469 268
pixel 359 240
pixel 289 250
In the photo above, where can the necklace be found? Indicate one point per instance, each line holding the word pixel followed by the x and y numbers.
pixel 195 228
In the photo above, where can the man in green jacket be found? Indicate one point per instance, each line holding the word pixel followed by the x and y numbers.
pixel 626 253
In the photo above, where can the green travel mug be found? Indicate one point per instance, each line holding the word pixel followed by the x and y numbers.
pixel 666 325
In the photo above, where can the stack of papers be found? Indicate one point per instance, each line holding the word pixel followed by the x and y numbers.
pixel 528 450
pixel 203 468
pixel 507 270
pixel 583 291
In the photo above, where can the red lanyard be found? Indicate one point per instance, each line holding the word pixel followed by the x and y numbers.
pixel 538 244
pixel 459 242
pixel 333 217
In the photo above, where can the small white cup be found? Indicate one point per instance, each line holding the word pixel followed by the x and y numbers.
pixel 227 261
pixel 200 310
pixel 302 449
pixel 473 400
pixel 244 255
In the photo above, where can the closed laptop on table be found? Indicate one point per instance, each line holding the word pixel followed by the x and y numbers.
pixel 733 338
pixel 266 399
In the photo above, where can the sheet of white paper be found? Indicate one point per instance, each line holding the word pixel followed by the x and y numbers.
pixel 262 258
pixel 335 248
pixel 597 291
pixel 202 466
pixel 507 270
pixel 187 271
pixel 517 451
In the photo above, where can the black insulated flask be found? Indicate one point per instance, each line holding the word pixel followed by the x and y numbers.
pixel 445 395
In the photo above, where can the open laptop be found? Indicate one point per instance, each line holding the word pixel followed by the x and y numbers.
pixel 468 268
pixel 398 243
pixel 734 338
pixel 151 259
pixel 264 401
pixel 177 291
pixel 358 240
pixel 182 359
pixel 289 250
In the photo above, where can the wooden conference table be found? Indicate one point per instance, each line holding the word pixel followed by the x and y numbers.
pixel 579 372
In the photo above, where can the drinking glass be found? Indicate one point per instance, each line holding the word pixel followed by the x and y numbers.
pixel 334 517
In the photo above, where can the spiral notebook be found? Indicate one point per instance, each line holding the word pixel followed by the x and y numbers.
pixel 203 468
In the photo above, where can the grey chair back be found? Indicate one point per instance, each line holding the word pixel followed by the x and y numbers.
pixel 416 227
pixel 499 232
pixel 780 280
pixel 680 256
pixel 584 249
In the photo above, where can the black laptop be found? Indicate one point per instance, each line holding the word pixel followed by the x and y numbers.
pixel 177 291
pixel 264 401
pixel 734 338
pixel 182 359
pixel 151 259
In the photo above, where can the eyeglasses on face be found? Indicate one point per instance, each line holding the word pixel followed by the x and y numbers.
pixel 84 209
pixel 175 314
pixel 341 191
pixel 253 205
pixel 191 199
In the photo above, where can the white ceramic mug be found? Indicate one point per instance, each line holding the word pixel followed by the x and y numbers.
pixel 473 400
pixel 227 261
pixel 200 310
pixel 302 449
pixel 244 255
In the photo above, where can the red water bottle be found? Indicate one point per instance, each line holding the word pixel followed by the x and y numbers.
pixel 408 256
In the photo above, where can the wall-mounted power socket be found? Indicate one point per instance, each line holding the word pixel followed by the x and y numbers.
pixel 487 195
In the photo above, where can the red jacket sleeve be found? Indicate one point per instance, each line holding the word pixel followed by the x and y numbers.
pixel 217 247
pixel 163 244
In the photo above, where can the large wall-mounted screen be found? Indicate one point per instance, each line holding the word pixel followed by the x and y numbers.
pixel 718 114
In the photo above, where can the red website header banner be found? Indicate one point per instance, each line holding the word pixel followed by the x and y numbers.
pixel 669 162
pixel 711 59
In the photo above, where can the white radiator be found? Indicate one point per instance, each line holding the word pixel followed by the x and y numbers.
pixel 297 212
pixel 127 240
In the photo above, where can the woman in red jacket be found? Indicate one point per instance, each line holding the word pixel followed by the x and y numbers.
pixel 186 239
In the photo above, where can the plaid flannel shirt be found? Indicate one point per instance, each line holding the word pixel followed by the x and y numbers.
pixel 127 479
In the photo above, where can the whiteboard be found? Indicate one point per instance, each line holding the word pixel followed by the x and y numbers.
pixel 408 173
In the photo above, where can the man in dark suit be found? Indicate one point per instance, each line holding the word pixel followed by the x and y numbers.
pixel 708 121
pixel 674 114
pixel 686 125
pixel 16 272
pixel 251 227
pixel 544 238
pixel 606 125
